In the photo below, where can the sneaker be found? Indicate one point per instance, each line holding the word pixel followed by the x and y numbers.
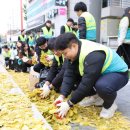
pixel 108 113
pixel 91 100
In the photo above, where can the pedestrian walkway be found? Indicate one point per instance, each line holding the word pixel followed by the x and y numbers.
pixel 123 100
pixel 37 117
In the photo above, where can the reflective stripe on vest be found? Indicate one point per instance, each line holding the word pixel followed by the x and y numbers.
pixel 57 59
pixel 46 33
pixel 127 37
pixel 87 47
pixel 67 29
pixel 90 26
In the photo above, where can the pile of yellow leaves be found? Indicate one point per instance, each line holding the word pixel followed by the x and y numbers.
pixel 15 109
pixel 34 60
pixel 43 59
pixel 88 116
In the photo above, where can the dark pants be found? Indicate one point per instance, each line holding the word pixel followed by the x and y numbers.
pixel 11 64
pixel 124 50
pixel 108 85
pixel 7 61
pixel 25 66
pixel 77 80
pixel 38 67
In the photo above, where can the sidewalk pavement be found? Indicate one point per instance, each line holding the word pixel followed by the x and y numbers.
pixel 122 100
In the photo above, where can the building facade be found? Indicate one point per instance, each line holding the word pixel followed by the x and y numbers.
pixel 107 14
pixel 112 11
pixel 39 11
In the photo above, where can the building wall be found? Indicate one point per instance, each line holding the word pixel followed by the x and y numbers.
pixel 111 16
pixel 14 16
pixel 93 6
pixel 39 11
pixel 109 27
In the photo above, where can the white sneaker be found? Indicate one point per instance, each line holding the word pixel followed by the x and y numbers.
pixel 91 100
pixel 108 113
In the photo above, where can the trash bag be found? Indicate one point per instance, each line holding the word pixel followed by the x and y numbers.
pixel 43 74
pixel 33 79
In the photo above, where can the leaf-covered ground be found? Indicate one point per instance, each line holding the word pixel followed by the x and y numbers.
pixel 88 116
pixel 15 109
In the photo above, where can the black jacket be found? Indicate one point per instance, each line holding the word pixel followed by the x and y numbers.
pixel 55 75
pixel 93 65
pixel 82 28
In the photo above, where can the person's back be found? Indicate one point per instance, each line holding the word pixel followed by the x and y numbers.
pixel 86 22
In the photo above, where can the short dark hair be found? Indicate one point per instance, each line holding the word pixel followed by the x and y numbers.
pixel 51 43
pixel 70 20
pixel 5 47
pixel 64 41
pixel 41 41
pixel 22 30
pixel 48 21
pixel 80 6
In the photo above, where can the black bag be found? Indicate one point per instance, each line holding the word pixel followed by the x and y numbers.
pixel 43 74
pixel 42 79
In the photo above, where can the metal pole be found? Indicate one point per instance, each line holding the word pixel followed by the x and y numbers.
pixel 21 13
pixel 94 7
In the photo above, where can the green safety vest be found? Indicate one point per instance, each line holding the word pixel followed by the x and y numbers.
pixel 23 39
pixel 6 54
pixel 67 29
pixel 31 41
pixel 90 26
pixel 37 36
pixel 74 32
pixel 46 33
pixel 87 48
pixel 31 38
pixel 57 59
pixel 49 52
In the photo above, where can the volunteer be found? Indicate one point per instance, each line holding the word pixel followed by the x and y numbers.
pixel 101 73
pixel 86 22
pixel 56 72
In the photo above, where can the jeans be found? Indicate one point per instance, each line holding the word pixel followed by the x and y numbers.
pixel 108 85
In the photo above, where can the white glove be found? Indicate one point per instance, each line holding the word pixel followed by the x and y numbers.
pixel 59 100
pixel 25 59
pixel 45 92
pixel 63 110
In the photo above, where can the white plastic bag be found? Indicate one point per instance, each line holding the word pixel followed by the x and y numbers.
pixel 33 79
